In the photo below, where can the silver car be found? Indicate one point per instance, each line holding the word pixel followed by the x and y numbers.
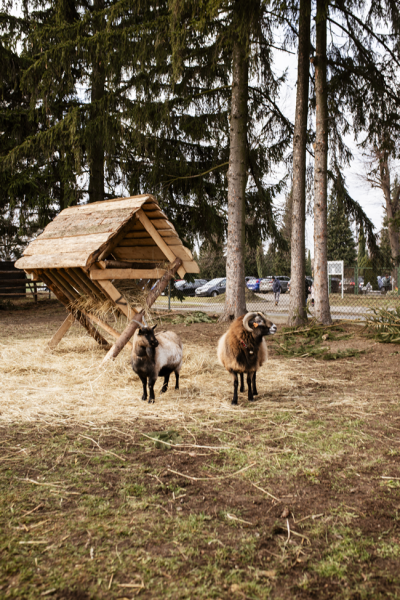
pixel 266 283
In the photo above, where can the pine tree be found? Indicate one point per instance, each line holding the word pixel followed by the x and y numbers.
pixel 230 31
pixel 297 310
pixel 341 244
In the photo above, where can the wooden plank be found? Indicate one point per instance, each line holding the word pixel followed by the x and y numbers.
pixel 55 260
pixel 158 239
pixel 81 285
pixel 126 274
pixel 165 233
pixel 107 205
pixel 180 251
pixel 118 299
pixel 119 264
pixel 149 253
pixel 55 280
pixel 153 214
pixel 114 241
pixel 128 242
pixel 59 334
pixel 72 225
pixel 93 289
pixel 76 286
pixel 85 243
pixel 44 276
pixel 105 326
pixel 161 224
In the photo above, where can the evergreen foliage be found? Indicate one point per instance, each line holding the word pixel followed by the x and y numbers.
pixel 341 244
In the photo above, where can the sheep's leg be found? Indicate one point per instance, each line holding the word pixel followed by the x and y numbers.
pixel 255 393
pixel 241 382
pixel 235 388
pixel 166 381
pixel 151 389
pixel 144 383
pixel 176 380
pixel 250 389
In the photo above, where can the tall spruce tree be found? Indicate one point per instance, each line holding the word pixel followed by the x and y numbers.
pixel 297 309
pixel 239 34
pixel 341 243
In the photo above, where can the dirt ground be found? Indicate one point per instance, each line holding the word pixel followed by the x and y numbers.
pixel 294 496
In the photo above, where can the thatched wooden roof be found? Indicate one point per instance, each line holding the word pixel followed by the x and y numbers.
pixel 126 229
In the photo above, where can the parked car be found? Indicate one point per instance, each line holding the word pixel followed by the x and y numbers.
pixel 309 282
pixel 253 284
pixel 188 288
pixel 266 283
pixel 212 288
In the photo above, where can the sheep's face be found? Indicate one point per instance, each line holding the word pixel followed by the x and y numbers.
pixel 148 337
pixel 260 326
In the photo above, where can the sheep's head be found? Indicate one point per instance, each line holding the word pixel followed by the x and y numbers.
pixel 147 336
pixel 258 325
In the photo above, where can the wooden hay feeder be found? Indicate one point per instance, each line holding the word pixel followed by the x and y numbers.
pixel 86 248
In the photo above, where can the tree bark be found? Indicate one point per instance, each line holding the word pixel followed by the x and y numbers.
pixel 392 201
pixel 235 303
pixel 96 141
pixel 297 310
pixel 321 292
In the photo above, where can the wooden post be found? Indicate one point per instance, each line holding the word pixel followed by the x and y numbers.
pixel 61 331
pixel 151 298
pixel 78 315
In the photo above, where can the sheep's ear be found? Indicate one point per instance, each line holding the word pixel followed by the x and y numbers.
pixel 154 326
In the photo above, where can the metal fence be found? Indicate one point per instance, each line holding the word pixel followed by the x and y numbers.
pixel 350 297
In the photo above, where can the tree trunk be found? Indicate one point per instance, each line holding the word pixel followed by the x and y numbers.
pixel 321 292
pixel 392 198
pixel 96 130
pixel 235 303
pixel 297 311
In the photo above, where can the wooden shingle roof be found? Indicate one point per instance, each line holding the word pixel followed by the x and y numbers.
pixel 128 229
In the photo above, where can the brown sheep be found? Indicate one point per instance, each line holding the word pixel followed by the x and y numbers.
pixel 242 349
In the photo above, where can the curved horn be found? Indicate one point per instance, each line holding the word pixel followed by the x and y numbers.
pixel 134 321
pixel 247 319
pixel 144 321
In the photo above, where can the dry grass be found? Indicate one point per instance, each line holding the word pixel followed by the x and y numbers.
pixel 68 384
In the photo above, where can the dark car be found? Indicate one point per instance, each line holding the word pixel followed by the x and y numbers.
pixel 188 288
pixel 212 288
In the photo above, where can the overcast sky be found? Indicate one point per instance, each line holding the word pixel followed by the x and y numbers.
pixel 370 199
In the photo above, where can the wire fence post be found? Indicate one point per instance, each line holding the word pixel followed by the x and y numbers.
pixel 169 295
pixel 356 280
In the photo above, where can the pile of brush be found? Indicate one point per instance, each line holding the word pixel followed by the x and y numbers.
pixel 385 325
pixel 297 342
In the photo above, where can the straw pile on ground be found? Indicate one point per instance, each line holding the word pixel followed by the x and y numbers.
pixel 68 384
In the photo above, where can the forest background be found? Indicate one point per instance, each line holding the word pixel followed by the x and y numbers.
pixel 107 98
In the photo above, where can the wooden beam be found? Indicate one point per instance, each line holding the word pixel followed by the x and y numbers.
pixel 105 326
pixel 127 274
pixel 151 298
pixel 57 337
pixel 119 264
pixel 148 225
pixel 93 289
pixel 121 302
pixel 59 294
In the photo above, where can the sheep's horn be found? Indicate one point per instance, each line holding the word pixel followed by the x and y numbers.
pixel 247 319
pixel 134 321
